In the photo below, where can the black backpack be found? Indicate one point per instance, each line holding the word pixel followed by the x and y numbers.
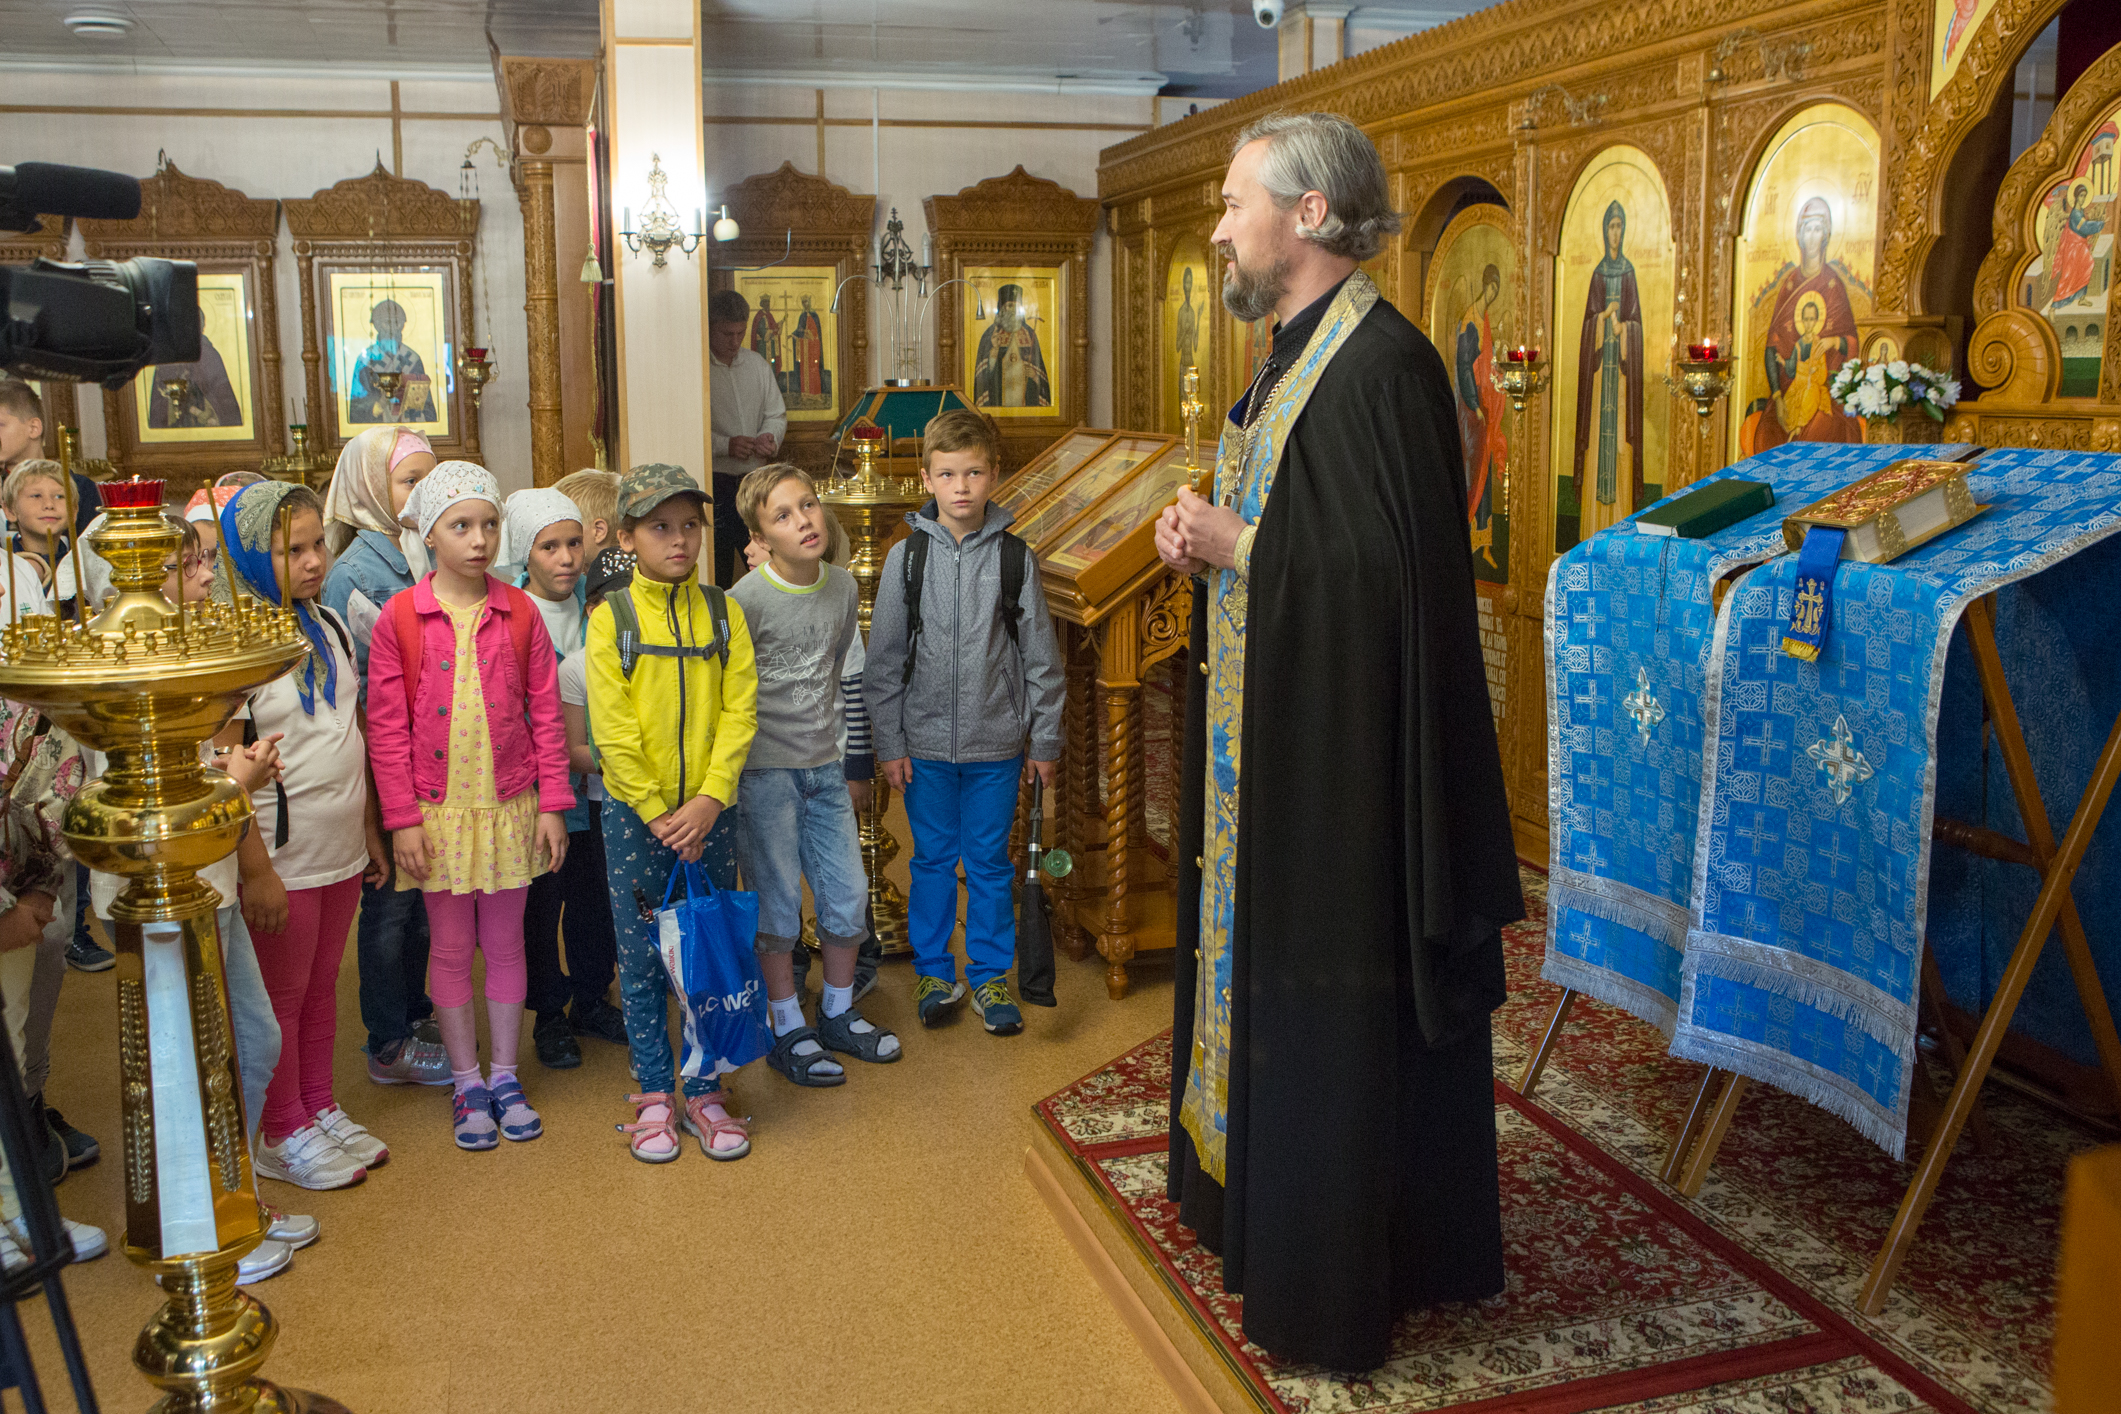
pixel 1016 559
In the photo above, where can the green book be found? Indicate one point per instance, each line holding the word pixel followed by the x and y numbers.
pixel 1707 509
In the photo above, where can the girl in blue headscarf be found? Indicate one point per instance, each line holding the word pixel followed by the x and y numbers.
pixel 303 861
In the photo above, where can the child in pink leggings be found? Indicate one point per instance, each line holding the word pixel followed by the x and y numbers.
pixel 303 858
pixel 470 757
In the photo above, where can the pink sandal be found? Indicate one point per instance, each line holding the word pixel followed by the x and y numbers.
pixel 699 1123
pixel 645 1131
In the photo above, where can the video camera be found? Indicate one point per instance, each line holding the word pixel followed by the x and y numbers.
pixel 100 321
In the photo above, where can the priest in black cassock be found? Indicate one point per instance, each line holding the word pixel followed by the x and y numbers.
pixel 1346 832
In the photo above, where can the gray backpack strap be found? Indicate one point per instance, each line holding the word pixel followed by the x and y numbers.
pixel 632 649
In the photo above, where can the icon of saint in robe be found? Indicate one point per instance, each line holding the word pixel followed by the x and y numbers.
pixel 807 344
pixel 1481 433
pixel 766 336
pixel 1811 325
pixel 1609 387
pixel 1187 336
pixel 2073 251
pixel 388 354
pixel 208 399
pixel 1010 370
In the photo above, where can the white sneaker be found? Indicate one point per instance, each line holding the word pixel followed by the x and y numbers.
pixel 297 1230
pixel 267 1259
pixel 364 1148
pixel 89 1242
pixel 310 1158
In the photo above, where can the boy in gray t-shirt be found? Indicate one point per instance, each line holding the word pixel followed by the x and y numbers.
pixel 795 806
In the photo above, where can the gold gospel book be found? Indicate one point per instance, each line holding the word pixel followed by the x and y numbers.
pixel 1891 511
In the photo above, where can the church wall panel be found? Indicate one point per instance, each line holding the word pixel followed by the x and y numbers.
pixel 930 143
pixel 291 137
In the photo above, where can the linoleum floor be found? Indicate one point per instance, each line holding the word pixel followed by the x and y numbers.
pixel 879 1251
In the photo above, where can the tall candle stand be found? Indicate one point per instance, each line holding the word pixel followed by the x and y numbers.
pixel 148 683
pixel 872 505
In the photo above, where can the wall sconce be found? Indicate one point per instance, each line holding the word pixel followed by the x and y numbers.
pixel 659 229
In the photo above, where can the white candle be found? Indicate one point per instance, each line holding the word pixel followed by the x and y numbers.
pixel 626 219
pixel 928 249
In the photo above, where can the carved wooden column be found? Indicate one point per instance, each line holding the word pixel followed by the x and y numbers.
pixel 545 103
pixel 1078 783
pixel 541 315
pixel 1119 694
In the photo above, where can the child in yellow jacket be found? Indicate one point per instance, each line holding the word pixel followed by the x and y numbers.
pixel 673 705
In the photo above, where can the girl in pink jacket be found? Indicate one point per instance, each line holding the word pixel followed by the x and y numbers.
pixel 470 756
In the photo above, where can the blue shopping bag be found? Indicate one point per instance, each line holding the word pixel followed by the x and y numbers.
pixel 706 940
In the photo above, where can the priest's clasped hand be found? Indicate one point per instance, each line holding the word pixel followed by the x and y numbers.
pixel 1196 533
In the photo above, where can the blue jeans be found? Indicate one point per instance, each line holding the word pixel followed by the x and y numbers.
pixel 962 811
pixel 391 943
pixel 639 871
pixel 250 1009
pixel 796 824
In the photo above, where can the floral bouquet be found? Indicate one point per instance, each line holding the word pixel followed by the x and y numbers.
pixel 1880 390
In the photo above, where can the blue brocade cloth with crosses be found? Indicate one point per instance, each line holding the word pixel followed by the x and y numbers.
pixel 1630 633
pixel 1811 877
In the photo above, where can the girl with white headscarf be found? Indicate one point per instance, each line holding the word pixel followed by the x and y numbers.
pixel 375 477
pixel 469 757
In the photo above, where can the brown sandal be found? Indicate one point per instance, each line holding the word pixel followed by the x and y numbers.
pixel 698 1122
pixel 643 1131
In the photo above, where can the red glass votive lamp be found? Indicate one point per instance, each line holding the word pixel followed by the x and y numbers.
pixel 1703 352
pixel 130 494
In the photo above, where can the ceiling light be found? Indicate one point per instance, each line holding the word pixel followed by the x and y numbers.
pixel 93 26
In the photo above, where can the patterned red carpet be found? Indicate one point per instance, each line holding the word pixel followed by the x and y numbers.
pixel 1623 1294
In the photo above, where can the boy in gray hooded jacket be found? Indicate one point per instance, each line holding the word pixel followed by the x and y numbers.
pixel 956 680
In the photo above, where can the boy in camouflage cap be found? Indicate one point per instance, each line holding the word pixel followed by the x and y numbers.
pixel 673 719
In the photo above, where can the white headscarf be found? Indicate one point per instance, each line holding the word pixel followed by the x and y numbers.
pixel 447 484
pixel 359 495
pixel 524 519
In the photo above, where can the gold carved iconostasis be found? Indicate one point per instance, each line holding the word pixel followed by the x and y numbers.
pixel 1799 183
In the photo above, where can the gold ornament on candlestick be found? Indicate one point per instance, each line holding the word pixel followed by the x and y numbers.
pixel 476 368
pixel 1704 376
pixel 303 465
pixel 1520 376
pixel 872 505
pixel 148 683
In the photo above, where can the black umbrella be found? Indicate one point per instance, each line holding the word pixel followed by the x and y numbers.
pixel 1034 911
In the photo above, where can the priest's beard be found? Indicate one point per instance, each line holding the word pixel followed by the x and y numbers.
pixel 1252 294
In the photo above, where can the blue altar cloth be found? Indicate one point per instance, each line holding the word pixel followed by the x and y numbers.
pixel 1629 620
pixel 1811 880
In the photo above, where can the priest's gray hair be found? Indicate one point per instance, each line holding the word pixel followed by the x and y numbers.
pixel 1325 153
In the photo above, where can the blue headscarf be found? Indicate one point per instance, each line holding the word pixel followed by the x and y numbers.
pixel 247 524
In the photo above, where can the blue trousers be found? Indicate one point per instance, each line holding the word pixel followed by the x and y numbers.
pixel 638 867
pixel 390 940
pixel 962 812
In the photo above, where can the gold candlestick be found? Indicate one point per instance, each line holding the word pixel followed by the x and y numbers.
pixel 1521 376
pixel 1190 408
pixel 1705 380
pixel 148 684
pixel 871 506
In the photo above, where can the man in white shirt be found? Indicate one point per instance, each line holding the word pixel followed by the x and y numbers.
pixel 750 419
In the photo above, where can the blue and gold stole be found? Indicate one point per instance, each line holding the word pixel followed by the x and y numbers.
pixel 1245 463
